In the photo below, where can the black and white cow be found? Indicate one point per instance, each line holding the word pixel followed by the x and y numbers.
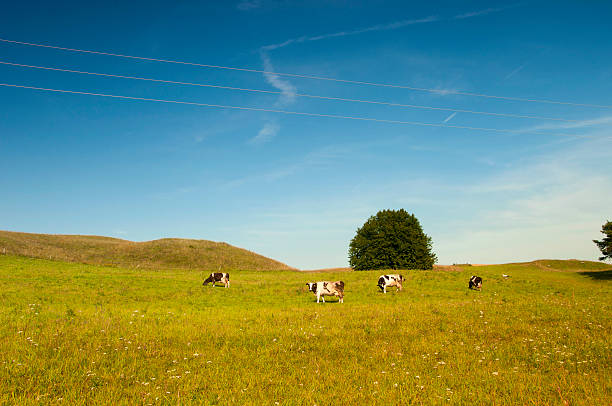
pixel 218 277
pixel 475 282
pixel 385 281
pixel 322 289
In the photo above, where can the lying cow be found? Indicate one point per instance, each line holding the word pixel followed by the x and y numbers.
pixel 218 277
pixel 322 289
pixel 475 282
pixel 385 281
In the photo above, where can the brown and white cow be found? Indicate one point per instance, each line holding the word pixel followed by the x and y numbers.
pixel 385 281
pixel 218 277
pixel 326 288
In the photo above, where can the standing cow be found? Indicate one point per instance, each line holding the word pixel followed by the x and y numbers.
pixel 475 282
pixel 385 281
pixel 214 277
pixel 322 289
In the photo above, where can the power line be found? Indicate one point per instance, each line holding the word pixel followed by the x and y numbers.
pixel 299 113
pixel 356 82
pixel 413 106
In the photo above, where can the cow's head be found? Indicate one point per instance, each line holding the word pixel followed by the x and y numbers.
pixel 208 280
pixel 312 287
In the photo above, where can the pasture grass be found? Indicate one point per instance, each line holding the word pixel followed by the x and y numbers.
pixel 84 334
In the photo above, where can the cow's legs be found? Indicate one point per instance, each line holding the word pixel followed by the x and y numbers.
pixel 318 297
pixel 323 297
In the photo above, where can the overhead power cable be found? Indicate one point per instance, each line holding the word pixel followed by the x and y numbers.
pixel 299 113
pixel 296 75
pixel 412 106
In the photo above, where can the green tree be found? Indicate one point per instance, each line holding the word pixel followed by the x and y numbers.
pixel 605 245
pixel 392 239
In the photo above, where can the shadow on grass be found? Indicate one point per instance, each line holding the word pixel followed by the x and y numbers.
pixel 599 275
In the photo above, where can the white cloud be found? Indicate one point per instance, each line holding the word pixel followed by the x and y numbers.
pixel 382 27
pixel 593 127
pixel 550 207
pixel 287 89
pixel 515 71
pixel 447 119
pixel 267 132
pixel 484 12
pixel 378 27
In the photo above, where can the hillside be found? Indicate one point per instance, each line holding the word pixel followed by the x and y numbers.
pixel 570 265
pixel 166 253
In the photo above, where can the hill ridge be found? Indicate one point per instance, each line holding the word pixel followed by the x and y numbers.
pixel 163 253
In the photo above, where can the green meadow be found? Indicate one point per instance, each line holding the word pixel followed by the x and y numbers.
pixel 86 334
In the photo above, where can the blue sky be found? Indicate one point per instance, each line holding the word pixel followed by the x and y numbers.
pixel 296 188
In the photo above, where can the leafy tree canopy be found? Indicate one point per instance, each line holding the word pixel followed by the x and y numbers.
pixel 605 245
pixel 392 239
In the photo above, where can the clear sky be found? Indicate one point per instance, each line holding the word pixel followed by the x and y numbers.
pixel 296 188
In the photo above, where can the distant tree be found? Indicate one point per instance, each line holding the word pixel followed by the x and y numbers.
pixel 392 239
pixel 605 245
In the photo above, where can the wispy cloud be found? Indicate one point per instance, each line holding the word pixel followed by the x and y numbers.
pixel 515 71
pixel 447 119
pixel 246 5
pixel 267 132
pixel 593 122
pixel 383 27
pixel 288 90
pixel 321 158
pixel 551 207
pixel 484 12
pixel 378 27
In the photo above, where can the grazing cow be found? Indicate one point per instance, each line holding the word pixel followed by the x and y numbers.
pixel 475 282
pixel 385 281
pixel 218 277
pixel 322 289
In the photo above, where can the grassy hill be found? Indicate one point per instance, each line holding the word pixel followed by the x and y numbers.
pixel 569 265
pixel 173 253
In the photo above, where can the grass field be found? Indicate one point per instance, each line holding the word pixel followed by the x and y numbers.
pixel 84 334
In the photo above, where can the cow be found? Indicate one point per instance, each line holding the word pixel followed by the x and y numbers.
pixel 475 282
pixel 218 277
pixel 322 289
pixel 385 281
